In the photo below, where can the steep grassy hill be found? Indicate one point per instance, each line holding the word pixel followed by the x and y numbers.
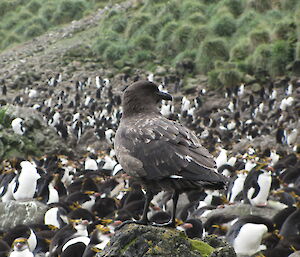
pixel 227 40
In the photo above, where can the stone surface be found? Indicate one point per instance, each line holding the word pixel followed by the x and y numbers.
pixel 13 213
pixel 243 210
pixel 137 240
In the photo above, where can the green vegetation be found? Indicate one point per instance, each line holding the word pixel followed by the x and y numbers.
pixel 223 39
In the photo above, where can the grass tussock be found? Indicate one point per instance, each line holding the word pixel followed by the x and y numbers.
pixel 223 39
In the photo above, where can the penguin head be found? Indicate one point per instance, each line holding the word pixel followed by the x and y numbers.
pixel 20 244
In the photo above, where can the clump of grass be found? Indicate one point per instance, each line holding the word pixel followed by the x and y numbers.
pixel 181 36
pixel 210 51
pixel 197 18
pixel 247 21
pixel 261 58
pixel 153 28
pixel 24 15
pixel 114 52
pixel 69 10
pixel 285 30
pixel 224 26
pixel 282 55
pixel 191 7
pixel 33 31
pixel 297 51
pixel 143 56
pixel 230 77
pixel 259 36
pixel 47 12
pixel 143 41
pixel 167 31
pixel 10 40
pixel 34 6
pixel 4 118
pixel 197 36
pixel 260 5
pixel 289 4
pixel 236 7
pixel 240 51
pixel 119 24
pixel 100 46
pixel 213 79
pixel 136 23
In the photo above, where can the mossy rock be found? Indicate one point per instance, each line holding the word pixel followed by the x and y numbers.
pixel 137 240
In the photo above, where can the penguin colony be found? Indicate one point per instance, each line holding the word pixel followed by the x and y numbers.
pixel 254 136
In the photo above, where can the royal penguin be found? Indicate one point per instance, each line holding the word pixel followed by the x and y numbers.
pixel 246 234
pixel 21 231
pixel 257 186
pixel 20 248
pixel 25 183
pixel 236 186
pixel 18 126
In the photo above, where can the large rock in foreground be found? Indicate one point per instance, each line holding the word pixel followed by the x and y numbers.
pixel 13 213
pixel 137 240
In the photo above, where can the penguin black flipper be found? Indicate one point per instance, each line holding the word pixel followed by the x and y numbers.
pixel 251 182
pixel 5 182
pixel 16 183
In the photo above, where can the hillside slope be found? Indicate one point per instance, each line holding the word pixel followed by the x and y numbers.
pixel 226 40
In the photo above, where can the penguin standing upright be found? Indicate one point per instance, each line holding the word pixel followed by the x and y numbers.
pixel 236 186
pixel 257 187
pixel 6 184
pixel 18 126
pixel 26 181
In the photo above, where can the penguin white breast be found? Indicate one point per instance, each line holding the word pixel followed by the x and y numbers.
pixel 249 238
pixel 53 195
pixel 24 253
pixel 264 181
pixel 80 239
pixel 50 217
pixel 90 164
pixel 238 186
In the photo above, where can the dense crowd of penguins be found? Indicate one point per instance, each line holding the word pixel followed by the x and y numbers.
pixel 89 197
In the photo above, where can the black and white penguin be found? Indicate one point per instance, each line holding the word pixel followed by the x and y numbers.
pixel 257 186
pixel 25 183
pixel 75 247
pixel 46 189
pixel 291 226
pixel 99 239
pixel 280 217
pixel 85 199
pixel 56 216
pixel 17 125
pixel 6 186
pixel 193 228
pixel 20 248
pixel 21 231
pixel 246 234
pixel 77 228
pixel 219 224
pixel 236 186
